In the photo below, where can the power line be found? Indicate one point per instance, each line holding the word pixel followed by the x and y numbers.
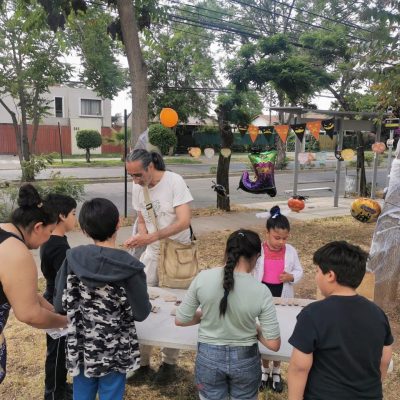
pixel 293 19
pixel 349 24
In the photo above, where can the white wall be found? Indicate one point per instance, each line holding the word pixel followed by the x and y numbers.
pixel 71 106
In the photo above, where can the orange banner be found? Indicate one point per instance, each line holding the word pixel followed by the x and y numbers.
pixel 314 127
pixel 253 132
pixel 282 131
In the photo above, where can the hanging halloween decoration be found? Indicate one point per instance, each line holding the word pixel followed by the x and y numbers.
pixel 220 189
pixel 194 152
pixel 365 210
pixel 253 132
pixel 282 131
pixel 378 147
pixel 168 117
pixel 266 130
pixel 242 129
pixel 314 127
pixel 347 154
pixel 209 152
pixel 226 152
pixel 296 203
pixel 299 130
pixel 329 126
pixel 264 182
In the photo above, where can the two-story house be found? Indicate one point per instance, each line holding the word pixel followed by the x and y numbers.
pixel 72 108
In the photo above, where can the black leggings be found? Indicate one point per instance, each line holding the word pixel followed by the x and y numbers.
pixel 275 288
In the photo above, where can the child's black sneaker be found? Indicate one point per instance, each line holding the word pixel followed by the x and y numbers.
pixel 277 383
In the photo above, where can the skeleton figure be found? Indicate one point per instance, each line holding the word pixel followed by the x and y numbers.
pixel 385 248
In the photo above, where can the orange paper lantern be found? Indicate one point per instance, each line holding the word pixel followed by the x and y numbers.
pixel 168 117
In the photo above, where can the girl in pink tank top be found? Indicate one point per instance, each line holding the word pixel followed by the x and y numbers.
pixel 277 273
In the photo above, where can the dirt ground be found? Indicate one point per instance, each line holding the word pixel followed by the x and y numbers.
pixel 26 346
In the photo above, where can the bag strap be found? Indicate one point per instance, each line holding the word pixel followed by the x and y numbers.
pixel 149 206
pixel 153 216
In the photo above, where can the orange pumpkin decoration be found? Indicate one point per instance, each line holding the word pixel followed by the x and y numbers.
pixel 168 117
pixel 378 147
pixel 296 203
pixel 194 152
pixel 365 210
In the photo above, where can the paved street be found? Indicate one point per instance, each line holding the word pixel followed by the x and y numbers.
pixel 200 186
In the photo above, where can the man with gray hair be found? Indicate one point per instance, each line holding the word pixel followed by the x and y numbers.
pixel 170 199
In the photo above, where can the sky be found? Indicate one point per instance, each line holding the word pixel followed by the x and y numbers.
pixel 123 100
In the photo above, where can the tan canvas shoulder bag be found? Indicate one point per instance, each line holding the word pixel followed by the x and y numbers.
pixel 178 263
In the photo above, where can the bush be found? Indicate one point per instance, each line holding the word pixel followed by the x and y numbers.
pixel 36 164
pixel 62 185
pixel 57 184
pixel 8 198
pixel 162 137
pixel 88 139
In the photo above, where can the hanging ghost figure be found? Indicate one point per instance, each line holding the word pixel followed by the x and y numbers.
pixel 264 165
pixel 385 249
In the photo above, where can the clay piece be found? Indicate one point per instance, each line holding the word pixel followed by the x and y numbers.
pixel 155 309
pixel 153 296
pixel 169 298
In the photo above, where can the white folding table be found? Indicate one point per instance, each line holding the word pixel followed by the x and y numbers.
pixel 159 328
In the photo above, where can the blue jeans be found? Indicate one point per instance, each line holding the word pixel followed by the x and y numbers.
pixel 224 372
pixel 109 387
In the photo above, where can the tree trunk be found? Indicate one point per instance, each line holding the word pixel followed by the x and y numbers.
pixel 35 122
pixel 280 146
pixel 223 202
pixel 88 155
pixel 17 130
pixel 137 68
pixel 361 165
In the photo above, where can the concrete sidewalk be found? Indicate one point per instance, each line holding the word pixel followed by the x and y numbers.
pixel 316 208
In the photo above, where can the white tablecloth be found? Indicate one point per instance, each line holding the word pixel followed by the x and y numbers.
pixel 159 328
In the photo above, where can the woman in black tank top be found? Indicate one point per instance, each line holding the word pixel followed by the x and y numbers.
pixel 31 225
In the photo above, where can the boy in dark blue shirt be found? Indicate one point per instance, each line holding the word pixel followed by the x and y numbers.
pixel 342 344
pixel 52 255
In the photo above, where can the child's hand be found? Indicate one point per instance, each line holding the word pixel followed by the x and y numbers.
pixel 285 277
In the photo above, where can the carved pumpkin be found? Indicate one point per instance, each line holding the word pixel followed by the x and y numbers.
pixel 168 117
pixel 365 210
pixel 296 203
pixel 378 147
pixel 194 152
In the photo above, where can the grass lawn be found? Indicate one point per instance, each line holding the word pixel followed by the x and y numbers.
pixel 79 163
pixel 26 346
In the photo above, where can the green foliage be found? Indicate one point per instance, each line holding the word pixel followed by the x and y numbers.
pixel 88 139
pixel 88 36
pixel 30 62
pixel 8 199
pixel 35 164
pixel 162 137
pixel 274 61
pixel 62 185
pixel 239 107
pixel 179 62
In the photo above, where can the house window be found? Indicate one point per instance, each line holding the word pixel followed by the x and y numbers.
pixel 58 106
pixel 90 107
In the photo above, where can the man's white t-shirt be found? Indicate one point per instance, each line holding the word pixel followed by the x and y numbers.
pixel 169 193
